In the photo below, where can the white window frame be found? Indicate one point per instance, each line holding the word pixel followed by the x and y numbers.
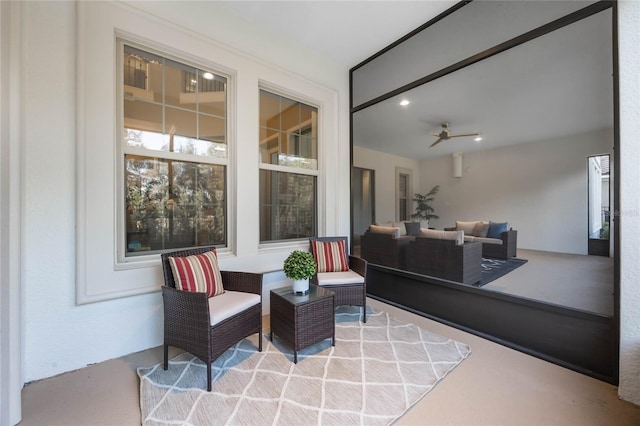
pixel 266 245
pixel 124 262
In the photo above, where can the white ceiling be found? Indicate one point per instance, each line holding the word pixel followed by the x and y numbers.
pixel 347 32
pixel 554 86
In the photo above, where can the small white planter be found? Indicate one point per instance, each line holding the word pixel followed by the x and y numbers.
pixel 301 286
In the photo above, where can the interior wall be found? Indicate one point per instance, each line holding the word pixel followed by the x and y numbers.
pixel 60 335
pixel 540 188
pixel 10 214
pixel 629 214
pixel 385 167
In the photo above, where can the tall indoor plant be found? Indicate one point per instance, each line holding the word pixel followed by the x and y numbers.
pixel 424 211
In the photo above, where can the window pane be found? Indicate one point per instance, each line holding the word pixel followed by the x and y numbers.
pixel 142 115
pixel 184 104
pixel 173 204
pixel 269 145
pixel 298 137
pixel 290 116
pixel 212 128
pixel 212 94
pixel 287 206
pixel 180 85
pixel 180 122
pixel 269 110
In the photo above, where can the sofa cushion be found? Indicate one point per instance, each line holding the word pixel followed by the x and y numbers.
pixel 467 227
pixel 379 229
pixel 331 256
pixel 497 228
pixel 488 240
pixel 457 236
pixel 198 273
pixel 481 229
pixel 413 228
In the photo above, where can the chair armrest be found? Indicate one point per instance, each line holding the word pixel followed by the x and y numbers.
pixel 358 265
pixel 185 310
pixel 247 282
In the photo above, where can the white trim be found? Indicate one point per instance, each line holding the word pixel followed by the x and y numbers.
pixel 11 166
pixel 99 275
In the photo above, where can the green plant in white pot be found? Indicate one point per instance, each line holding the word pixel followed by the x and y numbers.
pixel 300 266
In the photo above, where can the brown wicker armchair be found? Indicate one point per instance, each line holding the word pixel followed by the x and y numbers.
pixel 348 291
pixel 188 320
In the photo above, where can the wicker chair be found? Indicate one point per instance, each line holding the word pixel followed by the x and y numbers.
pixel 187 320
pixel 347 293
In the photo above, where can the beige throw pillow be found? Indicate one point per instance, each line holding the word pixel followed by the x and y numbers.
pixel 467 227
pixel 457 236
pixel 481 229
pixel 395 232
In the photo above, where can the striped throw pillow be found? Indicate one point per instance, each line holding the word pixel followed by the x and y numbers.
pixel 330 256
pixel 199 273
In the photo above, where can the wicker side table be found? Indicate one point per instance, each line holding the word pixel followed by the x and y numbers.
pixel 303 320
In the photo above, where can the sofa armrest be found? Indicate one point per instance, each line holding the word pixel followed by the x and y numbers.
pixel 509 237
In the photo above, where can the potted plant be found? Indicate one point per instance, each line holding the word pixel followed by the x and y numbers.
pixel 424 211
pixel 300 266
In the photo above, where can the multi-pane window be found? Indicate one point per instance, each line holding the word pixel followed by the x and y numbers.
pixel 174 149
pixel 288 168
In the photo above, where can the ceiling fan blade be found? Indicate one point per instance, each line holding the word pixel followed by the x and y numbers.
pixel 436 142
pixel 463 134
pixel 437 134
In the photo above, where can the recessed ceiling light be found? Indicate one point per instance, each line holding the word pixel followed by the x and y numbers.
pixel 207 75
pixel 404 102
pixel 478 139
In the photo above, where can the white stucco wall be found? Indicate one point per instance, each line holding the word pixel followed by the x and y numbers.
pixel 540 188
pixel 60 335
pixel 385 178
pixel 629 214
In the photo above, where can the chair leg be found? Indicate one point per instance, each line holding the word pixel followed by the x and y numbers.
pixel 364 313
pixel 208 376
pixel 260 342
pixel 166 356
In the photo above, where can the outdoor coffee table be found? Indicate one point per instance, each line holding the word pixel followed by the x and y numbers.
pixel 303 320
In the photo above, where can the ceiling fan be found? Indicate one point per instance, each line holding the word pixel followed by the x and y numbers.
pixel 445 134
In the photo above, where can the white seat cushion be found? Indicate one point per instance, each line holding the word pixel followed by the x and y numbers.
pixel 230 303
pixel 337 278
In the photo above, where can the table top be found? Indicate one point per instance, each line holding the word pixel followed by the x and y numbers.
pixel 315 293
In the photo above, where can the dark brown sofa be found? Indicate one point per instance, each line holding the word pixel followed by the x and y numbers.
pixel 445 259
pixel 500 248
pixel 506 249
pixel 384 249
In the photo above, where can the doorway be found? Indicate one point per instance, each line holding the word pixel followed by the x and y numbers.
pixel 599 185
pixel 363 199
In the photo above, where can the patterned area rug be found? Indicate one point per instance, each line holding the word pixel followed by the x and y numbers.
pixel 492 269
pixel 375 373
